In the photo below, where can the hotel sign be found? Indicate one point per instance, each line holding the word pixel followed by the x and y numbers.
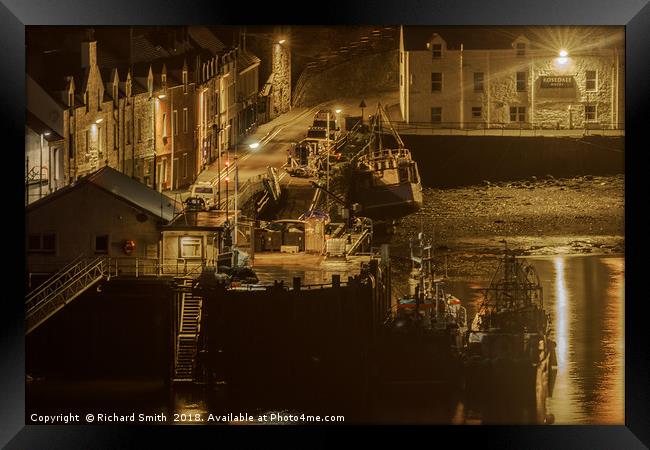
pixel 565 81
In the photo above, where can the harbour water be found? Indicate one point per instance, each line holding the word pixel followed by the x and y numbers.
pixel 583 294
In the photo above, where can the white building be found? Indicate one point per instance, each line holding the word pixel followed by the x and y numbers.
pixel 512 77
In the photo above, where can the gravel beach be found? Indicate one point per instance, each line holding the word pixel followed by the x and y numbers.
pixel 537 216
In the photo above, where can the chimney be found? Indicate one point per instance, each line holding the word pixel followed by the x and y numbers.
pixel 88 54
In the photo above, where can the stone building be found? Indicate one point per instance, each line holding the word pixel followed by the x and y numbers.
pixel 156 107
pixel 512 77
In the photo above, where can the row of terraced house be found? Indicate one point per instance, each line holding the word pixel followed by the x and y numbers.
pixel 160 114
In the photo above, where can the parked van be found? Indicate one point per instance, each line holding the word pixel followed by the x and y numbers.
pixel 206 191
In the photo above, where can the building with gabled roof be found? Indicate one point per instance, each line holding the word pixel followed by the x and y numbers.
pixel 94 216
pixel 512 77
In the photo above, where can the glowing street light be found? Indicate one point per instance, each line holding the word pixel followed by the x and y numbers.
pixel 564 53
pixel 254 145
pixel 338 111
pixel 282 41
pixel 161 96
pixel 100 120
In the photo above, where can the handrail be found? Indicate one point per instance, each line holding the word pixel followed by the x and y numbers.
pixel 68 283
pixel 54 277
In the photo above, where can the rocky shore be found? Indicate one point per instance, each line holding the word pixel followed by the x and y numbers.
pixel 537 216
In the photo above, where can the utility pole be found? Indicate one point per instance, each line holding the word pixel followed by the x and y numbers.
pixel 327 153
pixel 236 75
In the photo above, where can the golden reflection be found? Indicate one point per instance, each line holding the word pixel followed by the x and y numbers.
pixel 610 389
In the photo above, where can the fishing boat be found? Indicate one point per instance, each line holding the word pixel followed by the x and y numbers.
pixel 510 361
pixel 424 336
pixel 386 180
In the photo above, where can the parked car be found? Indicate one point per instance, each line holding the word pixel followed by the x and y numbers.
pixel 195 204
pixel 206 191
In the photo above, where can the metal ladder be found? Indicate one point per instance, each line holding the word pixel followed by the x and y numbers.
pixel 63 287
pixel 188 334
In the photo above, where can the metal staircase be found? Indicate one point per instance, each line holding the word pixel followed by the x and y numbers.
pixel 358 239
pixel 188 334
pixel 63 287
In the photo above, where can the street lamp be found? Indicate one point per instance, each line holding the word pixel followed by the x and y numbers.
pixel 282 41
pixel 254 145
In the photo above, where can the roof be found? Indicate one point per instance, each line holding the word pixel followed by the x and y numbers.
pixel 124 188
pixel 502 37
pixel 206 39
pixel 38 127
pixel 246 59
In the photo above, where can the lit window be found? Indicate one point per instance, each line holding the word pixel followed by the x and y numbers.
pixel 436 82
pixel 436 114
pixel 521 81
pixel 477 112
pixel 190 247
pixel 590 81
pixel 590 112
pixel 478 81
pixel 521 49
pixel 436 50
pixel 517 114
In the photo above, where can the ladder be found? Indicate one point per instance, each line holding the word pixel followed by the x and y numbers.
pixel 188 334
pixel 63 287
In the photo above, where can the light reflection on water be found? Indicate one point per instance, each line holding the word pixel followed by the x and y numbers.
pixel 585 297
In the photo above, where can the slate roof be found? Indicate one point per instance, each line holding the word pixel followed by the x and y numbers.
pixel 123 187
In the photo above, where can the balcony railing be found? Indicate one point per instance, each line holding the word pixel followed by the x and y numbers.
pixel 507 129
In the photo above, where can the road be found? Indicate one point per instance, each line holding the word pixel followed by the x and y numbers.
pixel 274 139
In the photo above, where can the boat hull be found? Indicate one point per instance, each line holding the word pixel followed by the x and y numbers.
pixel 390 200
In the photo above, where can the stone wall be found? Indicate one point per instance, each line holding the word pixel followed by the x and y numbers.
pixel 369 73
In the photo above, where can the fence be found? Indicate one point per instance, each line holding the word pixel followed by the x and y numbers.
pixel 505 129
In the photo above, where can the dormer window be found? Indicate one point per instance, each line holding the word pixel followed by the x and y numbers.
pixel 184 81
pixel 521 48
pixel 436 50
pixel 164 79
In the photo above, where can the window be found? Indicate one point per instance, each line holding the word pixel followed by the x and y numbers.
pixel 401 57
pixel 590 81
pixel 436 114
pixel 436 50
pixel 521 81
pixel 115 92
pixel 184 81
pixel 590 113
pixel 517 114
pixel 164 79
pixel 186 120
pixel 41 243
pixel 164 125
pixel 478 81
pixel 185 168
pixel 436 82
pixel 139 130
pixel 477 112
pixel 190 247
pixel 175 122
pixel 100 139
pixel 521 49
pixel 101 244
pixel 71 99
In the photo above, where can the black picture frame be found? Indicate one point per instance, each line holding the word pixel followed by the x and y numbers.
pixel 633 14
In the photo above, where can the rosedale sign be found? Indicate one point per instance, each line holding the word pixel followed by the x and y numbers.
pixel 564 81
